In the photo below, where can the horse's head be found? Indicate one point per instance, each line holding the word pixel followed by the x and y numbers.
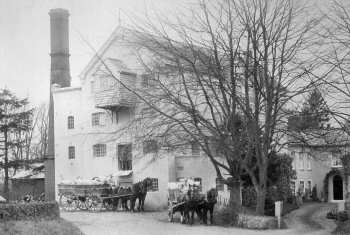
pixel 212 194
pixel 147 183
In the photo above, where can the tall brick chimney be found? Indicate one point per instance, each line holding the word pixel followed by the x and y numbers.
pixel 60 75
pixel 59 30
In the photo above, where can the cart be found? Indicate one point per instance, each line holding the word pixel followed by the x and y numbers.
pixel 177 197
pixel 94 197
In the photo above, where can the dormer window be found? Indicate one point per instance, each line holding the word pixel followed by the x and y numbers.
pixel 336 161
pixel 145 80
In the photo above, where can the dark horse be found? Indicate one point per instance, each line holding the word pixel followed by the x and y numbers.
pixel 209 204
pixel 139 191
pixel 200 206
pixel 109 202
pixel 192 204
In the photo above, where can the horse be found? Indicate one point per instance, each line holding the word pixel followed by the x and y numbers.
pixel 209 204
pixel 192 205
pixel 139 191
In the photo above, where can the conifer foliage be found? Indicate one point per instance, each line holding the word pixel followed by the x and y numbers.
pixel 14 117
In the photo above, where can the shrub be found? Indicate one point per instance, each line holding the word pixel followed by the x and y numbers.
pixel 342 216
pixel 225 216
pixel 28 211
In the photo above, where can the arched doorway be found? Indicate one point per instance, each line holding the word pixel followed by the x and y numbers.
pixel 337 187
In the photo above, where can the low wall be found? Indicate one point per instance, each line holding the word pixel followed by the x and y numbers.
pixel 256 222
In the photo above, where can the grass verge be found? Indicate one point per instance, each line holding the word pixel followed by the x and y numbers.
pixel 39 227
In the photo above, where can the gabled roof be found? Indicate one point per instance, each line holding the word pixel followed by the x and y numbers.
pixel 147 40
pixel 36 172
pixel 99 54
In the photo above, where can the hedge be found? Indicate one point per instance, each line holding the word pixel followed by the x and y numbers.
pixel 29 211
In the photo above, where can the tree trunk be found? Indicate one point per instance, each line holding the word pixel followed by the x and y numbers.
pixel 235 201
pixel 260 201
pixel 261 189
pixel 6 180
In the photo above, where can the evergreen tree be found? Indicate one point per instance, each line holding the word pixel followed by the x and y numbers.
pixel 14 118
pixel 314 113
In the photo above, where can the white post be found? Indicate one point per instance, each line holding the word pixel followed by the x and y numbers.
pixel 278 212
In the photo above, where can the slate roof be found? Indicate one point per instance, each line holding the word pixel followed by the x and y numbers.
pixel 36 172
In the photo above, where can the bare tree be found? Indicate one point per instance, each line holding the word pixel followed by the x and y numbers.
pixel 38 147
pixel 222 77
pixel 334 58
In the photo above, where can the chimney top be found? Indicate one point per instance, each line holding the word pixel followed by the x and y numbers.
pixel 59 12
pixel 59 34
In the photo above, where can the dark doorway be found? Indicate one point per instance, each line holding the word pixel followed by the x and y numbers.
pixel 337 187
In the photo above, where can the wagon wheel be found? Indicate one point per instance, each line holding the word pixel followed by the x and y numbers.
pixel 107 205
pixel 83 202
pixel 96 203
pixel 68 202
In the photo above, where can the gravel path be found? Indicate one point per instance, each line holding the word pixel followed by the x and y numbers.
pixel 310 219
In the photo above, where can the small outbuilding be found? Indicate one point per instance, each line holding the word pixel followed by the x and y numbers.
pixel 28 182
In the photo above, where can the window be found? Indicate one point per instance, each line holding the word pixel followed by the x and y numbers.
pixel 70 122
pixel 308 161
pixel 195 149
pixel 97 119
pixel 71 152
pixel 124 157
pixel 145 80
pixel 336 161
pixel 301 186
pixel 301 161
pixel 219 184
pixel 99 150
pixel 293 156
pixel 292 187
pixel 154 186
pixel 308 186
pixel 200 182
pixel 150 146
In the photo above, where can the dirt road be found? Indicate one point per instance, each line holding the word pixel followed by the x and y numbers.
pixel 310 219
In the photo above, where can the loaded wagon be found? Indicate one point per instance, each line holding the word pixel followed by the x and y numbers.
pixel 93 196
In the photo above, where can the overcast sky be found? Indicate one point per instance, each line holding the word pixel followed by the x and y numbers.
pixel 25 40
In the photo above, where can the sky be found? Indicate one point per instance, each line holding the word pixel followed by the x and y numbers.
pixel 25 39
